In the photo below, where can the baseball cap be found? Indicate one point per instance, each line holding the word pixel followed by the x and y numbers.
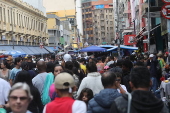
pixel 67 57
pixel 64 81
pixel 151 55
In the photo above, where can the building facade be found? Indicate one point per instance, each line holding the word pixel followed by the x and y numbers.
pixel 98 21
pixel 53 25
pixel 22 24
pixel 66 10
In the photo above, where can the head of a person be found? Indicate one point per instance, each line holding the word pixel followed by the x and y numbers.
pixel 86 95
pixel 126 65
pixel 76 64
pixel 18 61
pixel 112 58
pixel 118 77
pixel 140 78
pixel 23 76
pixel 108 79
pixel 83 60
pixel 29 58
pixel 50 67
pixel 41 66
pixel 106 68
pixel 139 63
pixel 58 69
pixel 151 56
pixel 69 65
pixel 159 55
pixel 67 57
pixel 119 63
pixel 4 64
pixel 99 59
pixel 91 67
pixel 107 59
pixel 19 97
pixel 90 60
pixel 9 59
pixel 53 57
pixel 64 84
pixel 24 66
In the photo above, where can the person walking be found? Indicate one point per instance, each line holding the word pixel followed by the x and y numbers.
pixel 65 86
pixel 143 100
pixel 102 102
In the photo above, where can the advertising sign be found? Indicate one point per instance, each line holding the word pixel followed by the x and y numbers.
pixel 129 39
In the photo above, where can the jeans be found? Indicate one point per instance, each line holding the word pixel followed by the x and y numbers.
pixel 154 84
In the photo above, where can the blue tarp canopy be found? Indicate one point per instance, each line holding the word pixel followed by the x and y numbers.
pixel 113 48
pixel 53 49
pixel 15 53
pixel 106 46
pixel 128 47
pixel 92 49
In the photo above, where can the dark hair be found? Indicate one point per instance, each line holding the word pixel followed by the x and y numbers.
pixel 119 63
pixel 76 64
pixel 112 57
pixel 50 67
pixel 89 94
pixel 140 77
pixel 69 65
pixel 18 59
pixel 23 76
pixel 5 62
pixel 139 63
pixel 83 60
pixel 67 71
pixel 127 64
pixel 24 66
pixel 56 62
pixel 108 79
pixel 91 67
pixel 118 74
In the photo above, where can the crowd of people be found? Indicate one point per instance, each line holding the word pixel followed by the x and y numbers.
pixel 90 84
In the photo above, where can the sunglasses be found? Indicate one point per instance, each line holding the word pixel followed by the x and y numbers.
pixel 21 98
pixel 118 79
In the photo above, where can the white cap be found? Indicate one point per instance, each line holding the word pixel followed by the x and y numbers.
pixel 151 55
pixel 67 57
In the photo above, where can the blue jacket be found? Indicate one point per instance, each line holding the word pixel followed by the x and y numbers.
pixel 101 103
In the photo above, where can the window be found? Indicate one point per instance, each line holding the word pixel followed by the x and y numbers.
pixel 111 28
pixel 106 16
pixel 110 16
pixel 14 17
pixel 0 13
pixel 4 15
pixel 111 22
pixel 8 17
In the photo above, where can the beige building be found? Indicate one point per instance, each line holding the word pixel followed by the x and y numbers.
pixel 21 24
pixel 103 25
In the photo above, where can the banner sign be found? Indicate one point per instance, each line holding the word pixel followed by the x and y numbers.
pixel 128 39
pixel 166 1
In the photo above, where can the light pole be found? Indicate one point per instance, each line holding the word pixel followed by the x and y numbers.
pixel 118 40
pixel 148 25
pixel 12 27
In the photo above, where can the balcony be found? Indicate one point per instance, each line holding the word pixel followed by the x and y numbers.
pixel 3 42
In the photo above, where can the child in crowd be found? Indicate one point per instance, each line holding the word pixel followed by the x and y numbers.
pixel 85 95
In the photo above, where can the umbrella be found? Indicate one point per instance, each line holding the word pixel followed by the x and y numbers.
pixel 92 49
pixel 15 53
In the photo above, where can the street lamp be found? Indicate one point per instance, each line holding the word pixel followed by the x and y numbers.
pixel 12 26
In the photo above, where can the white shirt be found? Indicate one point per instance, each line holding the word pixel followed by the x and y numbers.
pixel 77 107
pixel 4 91
pixel 123 86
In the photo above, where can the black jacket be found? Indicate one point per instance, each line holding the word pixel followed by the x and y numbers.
pixel 142 102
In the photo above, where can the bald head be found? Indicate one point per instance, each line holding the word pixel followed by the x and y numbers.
pixel 108 79
pixel 41 66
